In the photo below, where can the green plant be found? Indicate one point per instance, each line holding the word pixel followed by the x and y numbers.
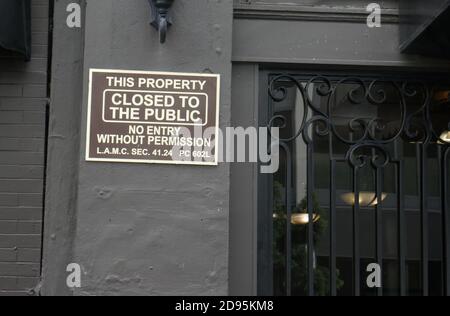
pixel 299 246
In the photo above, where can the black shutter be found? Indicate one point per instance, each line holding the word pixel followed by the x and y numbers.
pixel 15 26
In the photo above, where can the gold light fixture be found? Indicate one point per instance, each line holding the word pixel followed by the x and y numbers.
pixel 365 198
pixel 445 137
pixel 303 218
pixel 299 218
pixel 442 96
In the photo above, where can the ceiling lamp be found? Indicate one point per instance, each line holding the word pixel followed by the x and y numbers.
pixel 303 218
pixel 445 137
pixel 442 96
pixel 366 199
pixel 298 218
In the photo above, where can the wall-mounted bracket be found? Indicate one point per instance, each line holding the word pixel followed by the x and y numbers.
pixel 161 20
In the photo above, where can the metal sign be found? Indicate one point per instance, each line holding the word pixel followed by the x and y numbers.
pixel 152 117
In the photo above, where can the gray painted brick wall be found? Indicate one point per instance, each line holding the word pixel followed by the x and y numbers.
pixel 23 92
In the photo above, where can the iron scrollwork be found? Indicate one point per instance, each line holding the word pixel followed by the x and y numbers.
pixel 414 124
pixel 367 124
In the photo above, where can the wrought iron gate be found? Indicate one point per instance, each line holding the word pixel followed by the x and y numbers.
pixel 363 180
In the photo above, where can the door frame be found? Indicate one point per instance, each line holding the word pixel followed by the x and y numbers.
pixel 249 264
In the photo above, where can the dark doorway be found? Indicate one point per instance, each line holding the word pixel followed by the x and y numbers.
pixel 363 180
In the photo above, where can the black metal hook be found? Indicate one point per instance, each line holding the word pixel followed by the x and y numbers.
pixel 161 18
pixel 163 26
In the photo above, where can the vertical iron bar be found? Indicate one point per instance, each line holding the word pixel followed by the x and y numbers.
pixel 401 228
pixel 440 180
pixel 424 218
pixel 356 253
pixel 399 165
pixel 379 223
pixel 333 276
pixel 443 160
pixel 310 193
pixel 288 220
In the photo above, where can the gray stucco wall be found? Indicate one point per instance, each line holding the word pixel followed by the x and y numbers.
pixel 153 229
pixel 63 151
